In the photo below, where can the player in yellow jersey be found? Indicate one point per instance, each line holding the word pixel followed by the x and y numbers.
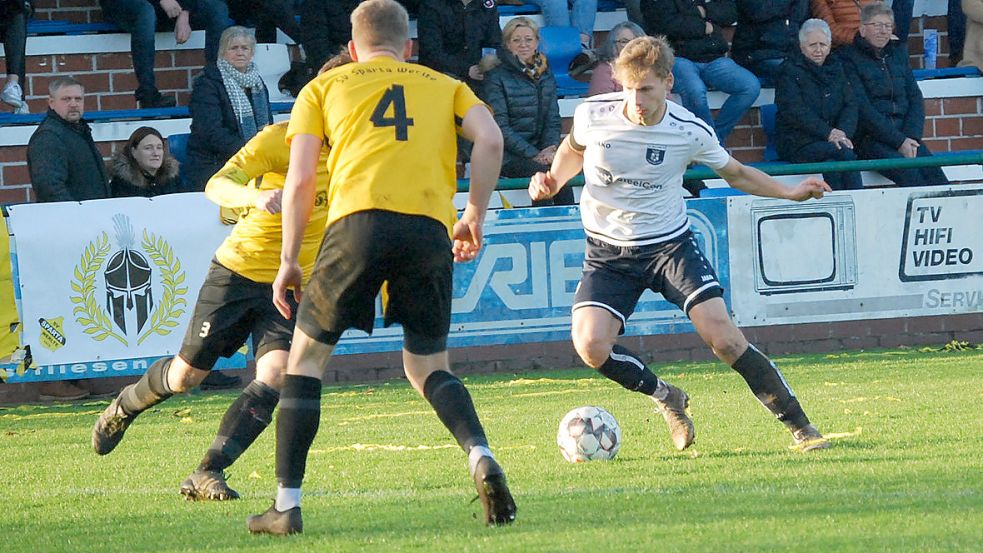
pixel 392 130
pixel 234 302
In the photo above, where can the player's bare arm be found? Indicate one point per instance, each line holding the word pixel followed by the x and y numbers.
pixel 297 204
pixel 486 162
pixel 753 181
pixel 567 163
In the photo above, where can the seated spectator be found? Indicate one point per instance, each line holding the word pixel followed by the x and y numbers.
pixel 453 34
pixel 142 168
pixel 13 26
pixel 892 112
pixel 578 13
pixel 141 19
pixel 229 105
pixel 602 78
pixel 62 158
pixel 842 16
pixel 973 47
pixel 817 114
pixel 767 31
pixel 694 29
pixel 522 93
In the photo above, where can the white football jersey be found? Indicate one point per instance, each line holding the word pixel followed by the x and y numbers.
pixel 634 173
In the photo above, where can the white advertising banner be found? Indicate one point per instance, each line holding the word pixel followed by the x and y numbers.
pixel 111 279
pixel 898 252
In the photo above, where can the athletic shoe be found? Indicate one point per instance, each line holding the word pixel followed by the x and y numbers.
pixel 673 409
pixel 61 390
pixel 808 438
pixel 216 380
pixel 12 94
pixel 109 429
pixel 280 523
pixel 207 485
pixel 489 479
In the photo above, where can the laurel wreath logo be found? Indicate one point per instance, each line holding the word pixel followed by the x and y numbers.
pixel 172 277
pixel 87 313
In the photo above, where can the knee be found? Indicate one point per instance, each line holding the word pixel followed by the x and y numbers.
pixel 846 154
pixel 728 348
pixel 692 88
pixel 592 349
pixel 181 377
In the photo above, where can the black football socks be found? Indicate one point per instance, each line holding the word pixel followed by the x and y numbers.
pixel 243 422
pixel 769 386
pixel 150 390
pixel 625 368
pixel 296 425
pixel 452 403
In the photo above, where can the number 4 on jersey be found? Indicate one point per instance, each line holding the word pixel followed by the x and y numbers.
pixel 393 97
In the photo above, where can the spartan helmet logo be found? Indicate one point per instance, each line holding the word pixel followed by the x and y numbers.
pixel 128 279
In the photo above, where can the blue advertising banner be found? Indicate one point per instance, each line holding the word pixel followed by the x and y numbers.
pixel 518 290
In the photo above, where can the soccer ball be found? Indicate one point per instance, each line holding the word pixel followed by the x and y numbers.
pixel 587 434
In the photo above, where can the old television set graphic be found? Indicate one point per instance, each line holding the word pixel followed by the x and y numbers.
pixel 805 247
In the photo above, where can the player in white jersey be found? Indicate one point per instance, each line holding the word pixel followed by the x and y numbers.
pixel 634 147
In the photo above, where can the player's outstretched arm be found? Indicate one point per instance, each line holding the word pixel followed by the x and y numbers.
pixel 751 180
pixel 298 202
pixel 486 162
pixel 567 162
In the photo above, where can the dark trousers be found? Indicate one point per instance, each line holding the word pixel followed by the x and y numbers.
pixel 522 168
pixel 139 18
pixel 902 18
pixel 267 16
pixel 827 151
pixel 872 149
pixel 14 44
pixel 956 20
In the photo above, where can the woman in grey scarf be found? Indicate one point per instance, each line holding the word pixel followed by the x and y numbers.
pixel 229 105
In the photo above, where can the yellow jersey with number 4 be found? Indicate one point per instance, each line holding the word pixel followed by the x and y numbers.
pixel 253 248
pixel 392 131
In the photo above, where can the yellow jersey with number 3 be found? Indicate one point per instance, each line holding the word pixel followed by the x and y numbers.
pixel 392 131
pixel 253 248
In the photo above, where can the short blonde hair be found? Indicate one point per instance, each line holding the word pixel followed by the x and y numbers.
pixel 515 23
pixel 232 33
pixel 381 23
pixel 643 55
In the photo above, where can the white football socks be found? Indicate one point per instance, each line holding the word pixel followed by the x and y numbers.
pixel 475 455
pixel 287 498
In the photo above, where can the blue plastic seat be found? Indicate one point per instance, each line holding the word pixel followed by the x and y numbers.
pixel 561 45
pixel 945 73
pixel 177 145
pixel 768 114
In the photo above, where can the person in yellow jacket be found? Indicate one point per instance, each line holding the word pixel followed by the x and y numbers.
pixel 235 302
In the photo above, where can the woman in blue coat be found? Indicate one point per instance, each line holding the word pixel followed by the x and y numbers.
pixel 522 92
pixel 817 113
pixel 229 105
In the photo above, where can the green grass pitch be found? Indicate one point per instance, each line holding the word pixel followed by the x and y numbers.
pixel 904 473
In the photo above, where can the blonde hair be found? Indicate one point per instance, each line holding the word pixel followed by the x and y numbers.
pixel 514 24
pixel 381 24
pixel 643 55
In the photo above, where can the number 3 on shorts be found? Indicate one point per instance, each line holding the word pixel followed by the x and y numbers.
pixel 205 326
pixel 395 97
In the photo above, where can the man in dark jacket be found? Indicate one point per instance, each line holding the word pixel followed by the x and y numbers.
pixel 453 33
pixel 767 31
pixel 694 29
pixel 63 160
pixel 140 18
pixel 892 111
